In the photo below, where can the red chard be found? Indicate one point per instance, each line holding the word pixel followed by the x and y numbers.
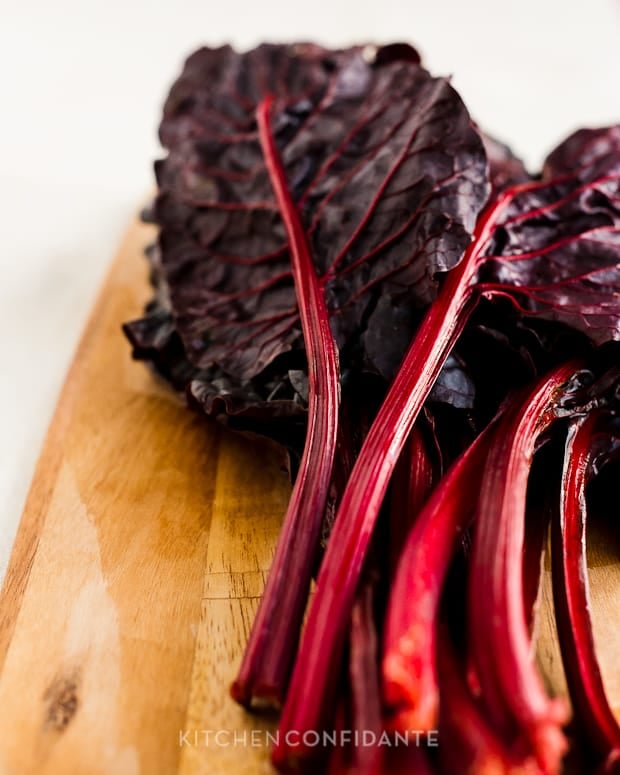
pixel 340 249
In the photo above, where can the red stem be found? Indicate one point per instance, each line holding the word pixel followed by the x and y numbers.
pixel 570 577
pixel 410 641
pixel 499 635
pixel 312 685
pixel 269 655
pixel 414 478
pixel 473 747
pixel 364 680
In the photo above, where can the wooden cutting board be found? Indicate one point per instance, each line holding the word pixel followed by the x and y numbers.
pixel 137 570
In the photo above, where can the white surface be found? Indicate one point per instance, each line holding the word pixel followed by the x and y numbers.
pixel 81 83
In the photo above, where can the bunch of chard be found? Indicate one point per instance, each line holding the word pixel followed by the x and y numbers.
pixel 347 265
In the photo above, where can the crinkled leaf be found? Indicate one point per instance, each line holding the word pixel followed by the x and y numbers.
pixel 383 162
pixel 272 396
pixel 582 149
pixel 556 248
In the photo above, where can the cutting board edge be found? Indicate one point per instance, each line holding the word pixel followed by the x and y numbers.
pixel 46 469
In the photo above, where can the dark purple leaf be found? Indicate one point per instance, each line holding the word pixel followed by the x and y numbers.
pixel 386 169
pixel 582 149
pixel 276 394
pixel 556 247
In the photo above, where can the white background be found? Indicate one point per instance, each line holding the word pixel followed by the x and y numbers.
pixel 81 84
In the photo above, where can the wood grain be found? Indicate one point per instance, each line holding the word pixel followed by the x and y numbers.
pixel 137 569
pixel 139 560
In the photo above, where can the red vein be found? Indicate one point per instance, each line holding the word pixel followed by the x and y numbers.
pixel 374 202
pixel 392 238
pixel 254 321
pixel 336 154
pixel 343 179
pixel 558 202
pixel 270 282
pixel 218 204
pixel 383 277
pixel 584 235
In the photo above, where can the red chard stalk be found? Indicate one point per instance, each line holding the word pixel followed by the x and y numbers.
pixel 418 470
pixel 411 688
pixel 511 689
pixel 592 441
pixel 305 511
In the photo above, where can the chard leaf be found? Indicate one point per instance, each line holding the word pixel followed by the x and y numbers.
pixel 387 172
pixel 583 149
pixel 556 247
